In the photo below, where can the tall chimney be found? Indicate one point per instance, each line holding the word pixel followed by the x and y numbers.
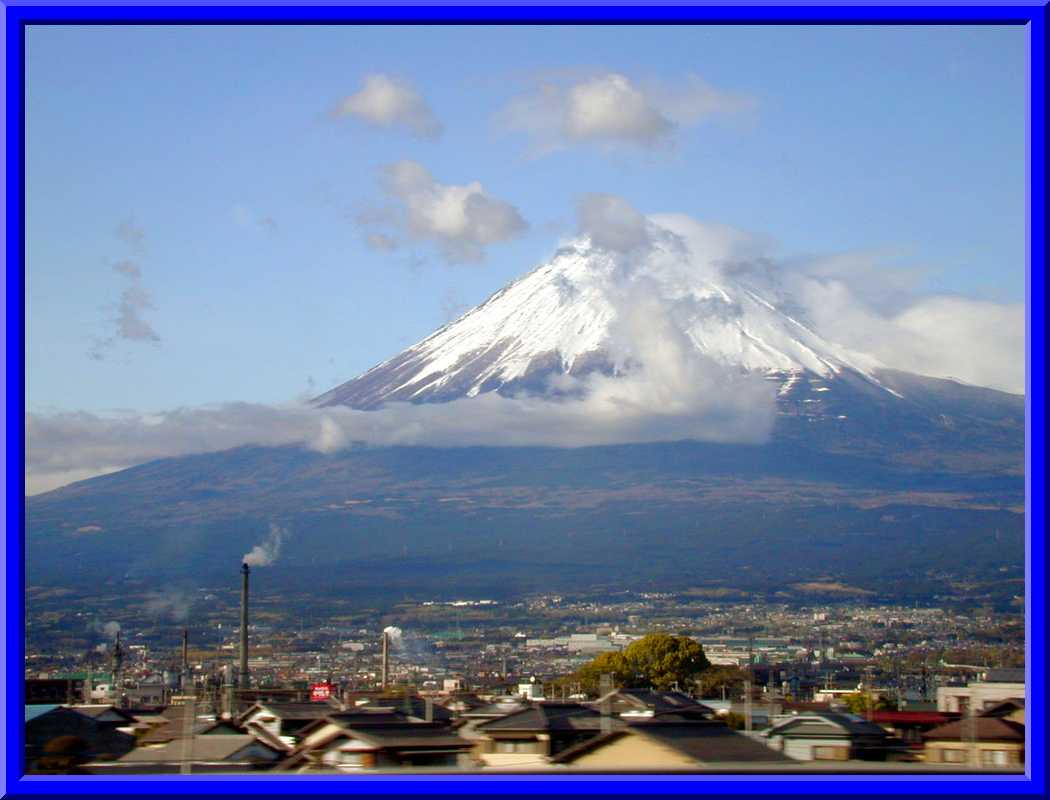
pixel 242 675
pixel 386 660
pixel 187 683
pixel 116 665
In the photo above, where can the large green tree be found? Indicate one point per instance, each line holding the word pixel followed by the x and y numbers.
pixel 666 662
pixel 613 664
pixel 659 660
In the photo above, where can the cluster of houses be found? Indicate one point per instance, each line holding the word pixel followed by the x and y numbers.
pixel 624 730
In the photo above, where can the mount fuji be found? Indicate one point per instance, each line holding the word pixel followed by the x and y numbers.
pixel 843 472
pixel 564 317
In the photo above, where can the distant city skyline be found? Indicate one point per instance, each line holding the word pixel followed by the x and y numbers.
pixel 256 214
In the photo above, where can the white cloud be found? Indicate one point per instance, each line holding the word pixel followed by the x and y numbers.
pixel 388 102
pixel 610 108
pixel 666 393
pixel 858 300
pixel 611 223
pixel 461 220
pixel 944 336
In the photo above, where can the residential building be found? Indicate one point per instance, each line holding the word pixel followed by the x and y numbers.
pixel 992 687
pixel 662 746
pixel 978 742
pixel 832 736
pixel 202 753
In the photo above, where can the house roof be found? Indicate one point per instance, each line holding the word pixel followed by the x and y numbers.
pixel 703 742
pixel 259 732
pixel 652 700
pixel 396 737
pixel 546 717
pixel 709 742
pixel 819 722
pixel 415 706
pixel 199 748
pixel 1005 707
pixel 410 735
pixel 466 700
pixel 34 711
pixel 985 729
pixel 497 708
pixel 97 711
pixel 288 710
pixel 1005 675
pixel 911 717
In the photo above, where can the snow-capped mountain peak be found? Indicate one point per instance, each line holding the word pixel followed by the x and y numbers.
pixel 565 317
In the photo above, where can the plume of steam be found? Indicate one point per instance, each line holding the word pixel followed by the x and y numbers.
pixel 111 629
pixel 393 636
pixel 268 550
pixel 172 603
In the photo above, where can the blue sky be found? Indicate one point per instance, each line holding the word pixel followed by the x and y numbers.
pixel 210 162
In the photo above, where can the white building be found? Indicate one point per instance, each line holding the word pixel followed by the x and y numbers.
pixel 993 687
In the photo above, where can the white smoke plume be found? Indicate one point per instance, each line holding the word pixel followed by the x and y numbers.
pixel 393 637
pixel 170 603
pixel 111 629
pixel 267 551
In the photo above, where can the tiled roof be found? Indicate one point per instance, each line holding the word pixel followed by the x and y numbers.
pixel 546 717
pixel 847 723
pixel 703 742
pixel 712 742
pixel 199 748
pixel 985 729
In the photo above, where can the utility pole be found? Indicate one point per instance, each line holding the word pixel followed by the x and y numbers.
pixel 747 685
pixel 971 734
pixel 747 705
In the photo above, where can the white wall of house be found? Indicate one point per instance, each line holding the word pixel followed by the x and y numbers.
pixel 980 695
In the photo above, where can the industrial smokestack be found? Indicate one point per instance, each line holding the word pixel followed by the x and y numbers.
pixel 186 682
pixel 116 665
pixel 242 675
pixel 386 660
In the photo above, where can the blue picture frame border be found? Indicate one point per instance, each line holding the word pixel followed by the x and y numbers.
pixel 16 15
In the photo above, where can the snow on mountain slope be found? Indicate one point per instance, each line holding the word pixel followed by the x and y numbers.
pixel 564 318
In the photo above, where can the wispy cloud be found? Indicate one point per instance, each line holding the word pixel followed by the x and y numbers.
pixel 129 324
pixel 461 219
pixel 387 101
pixel 610 108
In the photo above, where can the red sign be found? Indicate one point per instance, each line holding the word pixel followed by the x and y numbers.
pixel 319 692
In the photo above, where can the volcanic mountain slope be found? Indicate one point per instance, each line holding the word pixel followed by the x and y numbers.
pixel 872 476
pixel 578 314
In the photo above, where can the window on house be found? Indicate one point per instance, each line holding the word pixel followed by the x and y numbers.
pixel 516 746
pixel 995 758
pixel 830 753
pixel 953 756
